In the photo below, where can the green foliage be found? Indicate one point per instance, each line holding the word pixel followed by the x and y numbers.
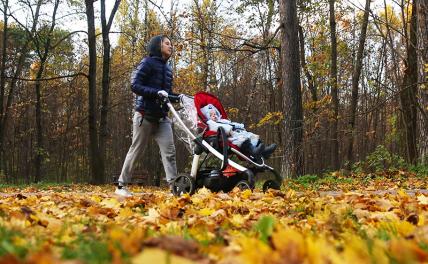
pixel 89 250
pixel 9 243
pixel 265 14
pixel 330 179
pixel 16 36
pixel 380 160
pixel 393 135
pixel 423 246
pixel 308 179
pixel 420 170
pixel 383 234
pixel 315 182
pixel 43 185
pixel 265 227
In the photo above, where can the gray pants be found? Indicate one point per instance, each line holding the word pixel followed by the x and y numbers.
pixel 162 133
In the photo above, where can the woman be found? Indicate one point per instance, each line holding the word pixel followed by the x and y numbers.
pixel 150 81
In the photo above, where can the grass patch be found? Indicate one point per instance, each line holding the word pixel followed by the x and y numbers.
pixel 420 170
pixel 12 242
pixel 88 249
pixel 40 185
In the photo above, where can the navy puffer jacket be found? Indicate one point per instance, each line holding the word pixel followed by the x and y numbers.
pixel 152 75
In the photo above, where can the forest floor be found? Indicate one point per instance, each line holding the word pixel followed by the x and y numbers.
pixel 359 218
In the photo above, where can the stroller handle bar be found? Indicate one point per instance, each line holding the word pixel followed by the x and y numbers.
pixel 174 98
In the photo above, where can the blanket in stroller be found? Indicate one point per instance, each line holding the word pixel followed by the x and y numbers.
pixel 236 131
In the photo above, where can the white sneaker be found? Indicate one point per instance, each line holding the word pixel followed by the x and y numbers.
pixel 123 192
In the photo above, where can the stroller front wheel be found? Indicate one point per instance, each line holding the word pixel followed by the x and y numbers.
pixel 183 184
pixel 271 184
pixel 243 185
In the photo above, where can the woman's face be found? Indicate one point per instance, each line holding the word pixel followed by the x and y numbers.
pixel 166 48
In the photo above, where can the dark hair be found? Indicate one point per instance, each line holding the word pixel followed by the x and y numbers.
pixel 154 45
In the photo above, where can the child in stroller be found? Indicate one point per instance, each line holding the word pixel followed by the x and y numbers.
pixel 248 142
pixel 207 146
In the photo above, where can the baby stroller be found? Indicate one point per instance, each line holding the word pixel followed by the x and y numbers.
pixel 210 146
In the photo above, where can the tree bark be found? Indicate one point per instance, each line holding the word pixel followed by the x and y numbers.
pixel 94 152
pixel 333 84
pixel 309 77
pixel 422 39
pixel 355 80
pixel 40 151
pixel 292 101
pixel 2 75
pixel 408 93
pixel 13 83
pixel 103 133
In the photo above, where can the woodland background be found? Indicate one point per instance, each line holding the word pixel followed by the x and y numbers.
pixel 329 81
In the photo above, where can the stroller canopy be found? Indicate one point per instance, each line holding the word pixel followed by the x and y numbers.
pixel 202 99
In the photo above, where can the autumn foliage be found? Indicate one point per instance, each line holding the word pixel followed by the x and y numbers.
pixel 374 220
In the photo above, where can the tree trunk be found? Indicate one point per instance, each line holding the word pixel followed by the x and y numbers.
pixel 422 39
pixel 3 77
pixel 40 151
pixel 105 82
pixel 333 84
pixel 292 100
pixel 94 152
pixel 13 83
pixel 408 93
pixel 309 77
pixel 355 80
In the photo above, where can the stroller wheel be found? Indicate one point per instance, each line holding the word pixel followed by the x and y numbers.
pixel 271 184
pixel 243 185
pixel 183 184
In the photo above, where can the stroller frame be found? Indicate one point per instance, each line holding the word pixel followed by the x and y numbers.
pixel 186 183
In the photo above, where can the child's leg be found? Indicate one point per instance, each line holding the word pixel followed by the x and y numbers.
pixel 253 138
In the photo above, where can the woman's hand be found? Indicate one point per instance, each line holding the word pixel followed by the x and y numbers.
pixel 162 93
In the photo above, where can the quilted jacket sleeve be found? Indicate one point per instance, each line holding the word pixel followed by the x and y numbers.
pixel 139 78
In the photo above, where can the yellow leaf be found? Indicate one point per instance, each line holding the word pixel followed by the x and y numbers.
pixel 371 188
pixel 19 241
pixel 319 251
pixel 378 253
pixel 159 256
pixel 290 243
pixel 383 216
pixel 422 199
pixel 358 252
pixel 384 204
pixel 125 212
pixel 402 193
pixel 291 193
pixel 117 234
pixel 255 251
pixel 237 220
pixel 66 238
pixel 403 228
pixel 153 215
pixel 110 203
pixel 96 199
pixel 204 191
pixel 53 224
pixel 206 211
pixel 246 194
pixel 421 220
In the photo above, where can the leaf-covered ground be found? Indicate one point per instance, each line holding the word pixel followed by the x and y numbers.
pixel 332 220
